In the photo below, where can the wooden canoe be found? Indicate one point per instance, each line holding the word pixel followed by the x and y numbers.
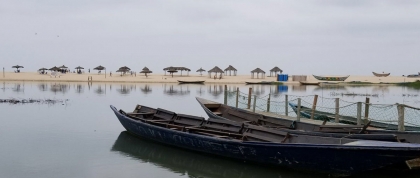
pixel 331 78
pixel 381 75
pixel 251 143
pixel 193 82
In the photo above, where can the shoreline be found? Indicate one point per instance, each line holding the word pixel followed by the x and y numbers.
pixel 160 78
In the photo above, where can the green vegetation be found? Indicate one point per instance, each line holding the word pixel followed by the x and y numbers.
pixel 415 84
pixel 277 83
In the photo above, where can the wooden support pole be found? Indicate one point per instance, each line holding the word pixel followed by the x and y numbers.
pixel 286 105
pixel 366 118
pixel 314 106
pixel 359 113
pixel 255 103
pixel 225 99
pixel 237 97
pixel 249 98
pixel 268 102
pixel 401 109
pixel 298 111
pixel 337 110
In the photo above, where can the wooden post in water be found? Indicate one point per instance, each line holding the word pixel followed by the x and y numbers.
pixel 298 110
pixel 255 103
pixel 401 109
pixel 337 110
pixel 225 99
pixel 249 98
pixel 366 118
pixel 237 97
pixel 268 102
pixel 286 107
pixel 359 113
pixel 314 106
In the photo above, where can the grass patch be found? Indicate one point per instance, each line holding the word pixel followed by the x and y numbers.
pixel 415 84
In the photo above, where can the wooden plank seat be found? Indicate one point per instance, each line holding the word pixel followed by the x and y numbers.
pixel 188 120
pixel 239 115
pixel 223 125
pixel 341 128
pixel 259 133
pixel 214 132
pixel 144 109
pixel 162 114
pixel 274 123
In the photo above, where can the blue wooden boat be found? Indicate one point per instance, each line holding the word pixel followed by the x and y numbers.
pixel 265 146
pixel 224 112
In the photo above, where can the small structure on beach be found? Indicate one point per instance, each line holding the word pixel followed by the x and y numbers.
pixel 123 70
pixel 177 69
pixel 275 70
pixel 42 70
pixel 79 69
pixel 55 68
pixel 170 70
pixel 100 68
pixel 258 71
pixel 17 68
pixel 201 70
pixel 146 71
pixel 216 70
pixel 230 69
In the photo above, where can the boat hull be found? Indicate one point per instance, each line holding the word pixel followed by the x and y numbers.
pixel 191 82
pixel 381 75
pixel 331 78
pixel 341 159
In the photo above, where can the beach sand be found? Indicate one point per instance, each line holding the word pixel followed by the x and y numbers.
pixel 161 78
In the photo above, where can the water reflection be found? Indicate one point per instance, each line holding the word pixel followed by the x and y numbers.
pixel 79 88
pixel 126 89
pixel 146 89
pixel 59 88
pixel 215 90
pixel 180 90
pixel 18 88
pixel 194 164
pixel 43 87
pixel 99 90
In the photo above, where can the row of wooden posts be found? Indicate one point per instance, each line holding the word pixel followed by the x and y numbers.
pixel 400 107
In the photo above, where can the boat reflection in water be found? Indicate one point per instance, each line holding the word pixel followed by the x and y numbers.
pixel 192 163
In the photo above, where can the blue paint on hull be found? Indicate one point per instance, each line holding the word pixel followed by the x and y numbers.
pixel 331 159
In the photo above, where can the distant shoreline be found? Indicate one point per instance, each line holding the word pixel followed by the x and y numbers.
pixel 160 78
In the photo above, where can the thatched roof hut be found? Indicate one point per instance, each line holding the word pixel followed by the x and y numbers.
pixel 201 70
pixel 177 69
pixel 230 69
pixel 275 70
pixel 99 68
pixel 216 70
pixel 146 71
pixel 258 71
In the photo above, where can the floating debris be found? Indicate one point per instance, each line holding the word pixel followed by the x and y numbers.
pixel 38 101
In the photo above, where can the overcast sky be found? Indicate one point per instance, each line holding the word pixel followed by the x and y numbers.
pixel 301 37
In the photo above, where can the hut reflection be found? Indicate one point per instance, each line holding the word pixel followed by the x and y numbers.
pixel 99 90
pixel 299 88
pixel 215 90
pixel 146 89
pixel 179 90
pixel 125 89
pixel 18 88
pixel 182 162
pixel 79 88
pixel 59 88
pixel 43 87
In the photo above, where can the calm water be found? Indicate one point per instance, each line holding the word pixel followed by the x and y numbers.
pixel 82 138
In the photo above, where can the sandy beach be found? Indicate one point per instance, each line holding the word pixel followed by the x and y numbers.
pixel 161 78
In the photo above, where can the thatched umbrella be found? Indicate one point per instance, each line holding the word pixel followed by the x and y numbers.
pixel 99 68
pixel 123 70
pixel 17 67
pixel 258 71
pixel 275 70
pixel 230 69
pixel 171 70
pixel 78 67
pixel 55 68
pixel 201 70
pixel 43 70
pixel 215 70
pixel 146 71
pixel 63 67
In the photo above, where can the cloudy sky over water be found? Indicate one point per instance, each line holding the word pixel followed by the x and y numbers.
pixel 301 37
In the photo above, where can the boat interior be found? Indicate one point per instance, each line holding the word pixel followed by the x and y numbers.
pixel 226 129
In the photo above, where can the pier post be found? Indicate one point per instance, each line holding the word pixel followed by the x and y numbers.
pixel 255 103
pixel 237 97
pixel 359 113
pixel 314 106
pixel 337 110
pixel 366 118
pixel 268 102
pixel 298 110
pixel 401 109
pixel 286 107
pixel 225 98
pixel 249 98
